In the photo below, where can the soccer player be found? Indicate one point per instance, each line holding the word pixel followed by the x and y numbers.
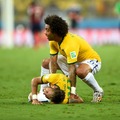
pixel 58 90
pixel 76 58
pixel 36 12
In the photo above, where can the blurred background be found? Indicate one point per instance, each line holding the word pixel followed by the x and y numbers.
pixel 22 21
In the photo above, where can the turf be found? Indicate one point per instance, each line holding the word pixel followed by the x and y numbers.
pixel 19 65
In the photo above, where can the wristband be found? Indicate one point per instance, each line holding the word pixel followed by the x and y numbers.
pixel 73 90
pixel 34 96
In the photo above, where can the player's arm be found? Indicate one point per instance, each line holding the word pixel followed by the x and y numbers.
pixel 72 77
pixel 53 64
pixel 34 85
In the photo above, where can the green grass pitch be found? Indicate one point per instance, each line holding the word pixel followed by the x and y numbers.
pixel 19 65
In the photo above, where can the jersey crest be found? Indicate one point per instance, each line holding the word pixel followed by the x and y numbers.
pixel 73 54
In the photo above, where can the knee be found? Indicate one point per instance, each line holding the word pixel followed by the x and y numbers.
pixel 81 73
pixel 45 63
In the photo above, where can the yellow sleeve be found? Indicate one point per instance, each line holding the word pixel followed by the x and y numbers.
pixel 49 78
pixel 54 47
pixel 45 78
pixel 54 78
pixel 72 55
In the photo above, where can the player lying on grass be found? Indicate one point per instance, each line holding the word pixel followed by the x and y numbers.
pixel 57 92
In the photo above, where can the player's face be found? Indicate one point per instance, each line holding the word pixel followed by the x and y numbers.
pixel 48 92
pixel 48 33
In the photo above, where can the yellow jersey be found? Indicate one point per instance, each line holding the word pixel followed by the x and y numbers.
pixel 60 80
pixel 74 48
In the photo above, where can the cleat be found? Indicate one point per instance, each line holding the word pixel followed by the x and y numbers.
pixel 97 97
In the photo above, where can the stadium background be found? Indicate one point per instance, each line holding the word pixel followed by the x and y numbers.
pixel 100 23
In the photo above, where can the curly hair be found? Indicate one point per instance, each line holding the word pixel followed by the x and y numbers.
pixel 57 25
pixel 58 96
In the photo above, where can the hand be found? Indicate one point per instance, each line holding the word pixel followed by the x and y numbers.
pixel 36 102
pixel 75 99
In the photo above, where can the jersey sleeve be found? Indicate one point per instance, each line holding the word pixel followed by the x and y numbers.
pixel 54 47
pixel 50 78
pixel 45 78
pixel 72 54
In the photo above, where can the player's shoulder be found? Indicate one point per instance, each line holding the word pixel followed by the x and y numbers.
pixel 72 37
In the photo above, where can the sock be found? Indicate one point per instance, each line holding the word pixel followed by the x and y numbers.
pixel 41 95
pixel 91 81
pixel 44 71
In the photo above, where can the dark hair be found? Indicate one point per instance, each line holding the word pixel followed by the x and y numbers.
pixel 57 25
pixel 58 97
